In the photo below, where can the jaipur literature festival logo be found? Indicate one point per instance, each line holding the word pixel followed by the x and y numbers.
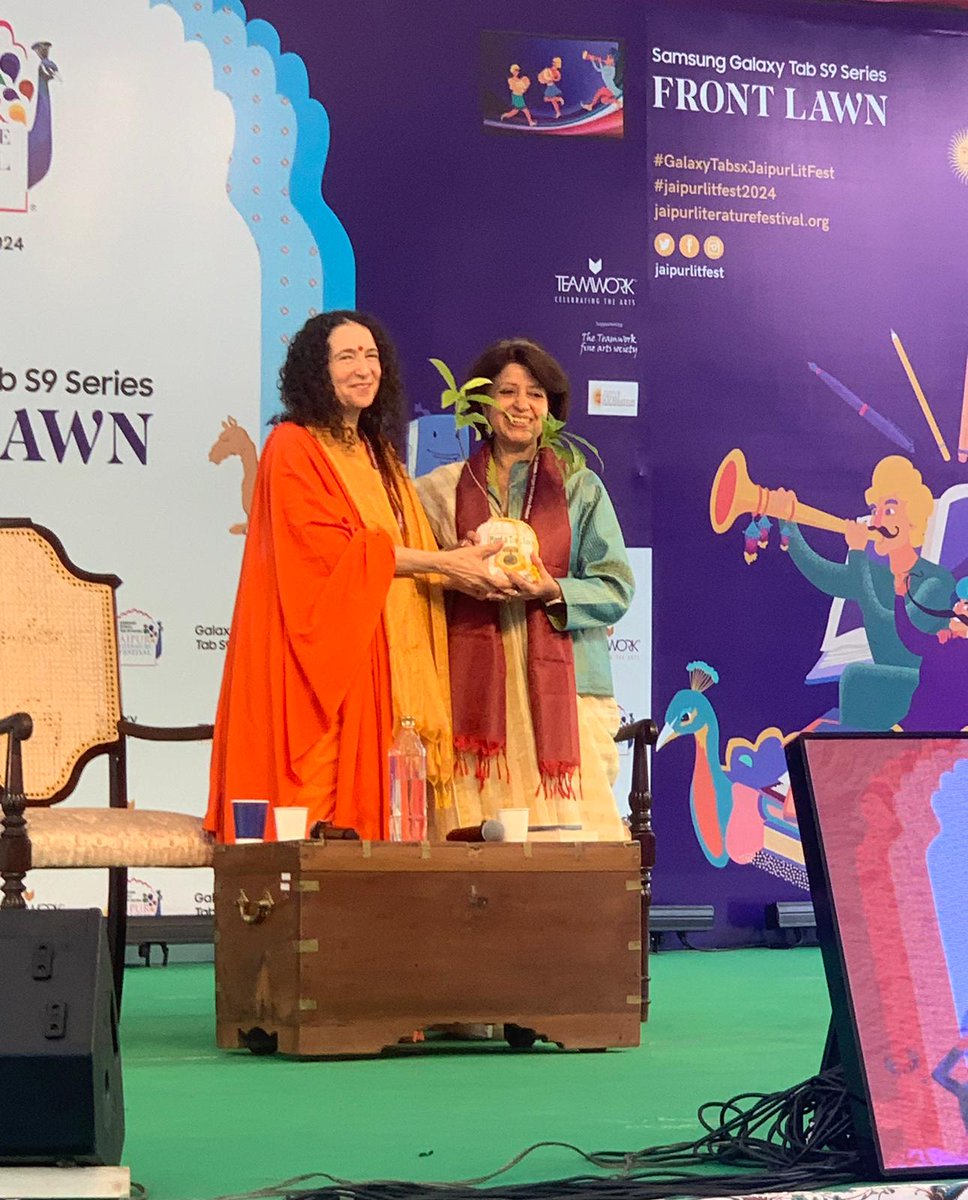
pixel 26 137
pixel 144 899
pixel 595 286
pixel 139 638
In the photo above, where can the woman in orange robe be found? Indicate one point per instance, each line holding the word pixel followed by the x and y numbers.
pixel 339 628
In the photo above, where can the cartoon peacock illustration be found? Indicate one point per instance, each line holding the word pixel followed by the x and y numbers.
pixel 27 103
pixel 711 793
pixel 40 144
pixel 735 817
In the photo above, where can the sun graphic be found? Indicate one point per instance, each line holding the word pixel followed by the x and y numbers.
pixel 958 154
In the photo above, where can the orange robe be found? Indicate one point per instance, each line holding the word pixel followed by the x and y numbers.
pixel 307 654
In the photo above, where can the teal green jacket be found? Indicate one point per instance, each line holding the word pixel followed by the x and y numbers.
pixel 599 586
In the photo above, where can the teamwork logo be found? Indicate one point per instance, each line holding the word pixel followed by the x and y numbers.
pixel 535 84
pixel 622 647
pixel 26 138
pixel 30 897
pixel 595 286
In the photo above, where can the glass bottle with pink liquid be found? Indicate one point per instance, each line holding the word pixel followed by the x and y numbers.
pixel 408 785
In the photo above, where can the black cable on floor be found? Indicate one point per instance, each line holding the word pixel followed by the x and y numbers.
pixel 793 1140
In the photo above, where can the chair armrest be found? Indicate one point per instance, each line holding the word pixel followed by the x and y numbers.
pixel 165 733
pixel 646 728
pixel 14 843
pixel 18 725
pixel 147 733
pixel 641 734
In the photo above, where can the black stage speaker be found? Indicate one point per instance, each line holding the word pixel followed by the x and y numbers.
pixel 60 1063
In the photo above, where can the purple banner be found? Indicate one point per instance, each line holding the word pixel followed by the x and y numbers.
pixel 750 241
pixel 806 183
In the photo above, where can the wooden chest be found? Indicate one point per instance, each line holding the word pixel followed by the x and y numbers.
pixel 347 947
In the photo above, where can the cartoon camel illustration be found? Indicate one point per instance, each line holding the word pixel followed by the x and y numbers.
pixel 234 440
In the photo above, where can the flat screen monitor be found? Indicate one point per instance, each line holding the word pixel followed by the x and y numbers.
pixel 884 824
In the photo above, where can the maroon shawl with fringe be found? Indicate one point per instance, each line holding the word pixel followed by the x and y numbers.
pixel 477 654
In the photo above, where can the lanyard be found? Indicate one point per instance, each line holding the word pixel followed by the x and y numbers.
pixel 529 493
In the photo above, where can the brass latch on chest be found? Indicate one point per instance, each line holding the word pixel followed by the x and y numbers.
pixel 254 914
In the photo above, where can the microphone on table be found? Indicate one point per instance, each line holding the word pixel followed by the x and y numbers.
pixel 326 831
pixel 487 831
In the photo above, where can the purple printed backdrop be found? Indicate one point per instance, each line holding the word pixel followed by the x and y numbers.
pixel 727 364
pixel 461 232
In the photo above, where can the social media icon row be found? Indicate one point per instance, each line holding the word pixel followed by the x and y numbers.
pixel 689 245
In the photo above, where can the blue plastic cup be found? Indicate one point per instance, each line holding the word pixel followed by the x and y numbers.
pixel 250 820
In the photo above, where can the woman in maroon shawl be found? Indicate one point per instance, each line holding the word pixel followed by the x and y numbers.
pixel 534 710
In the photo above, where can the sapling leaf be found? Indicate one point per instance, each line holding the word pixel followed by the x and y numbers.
pixel 446 372
pixel 574 437
pixel 565 444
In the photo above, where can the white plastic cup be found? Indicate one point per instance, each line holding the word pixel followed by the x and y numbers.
pixel 291 823
pixel 515 822
pixel 250 820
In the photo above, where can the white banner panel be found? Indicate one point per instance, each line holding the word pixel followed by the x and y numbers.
pixel 630 651
pixel 155 263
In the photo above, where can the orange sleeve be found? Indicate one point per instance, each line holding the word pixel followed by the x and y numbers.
pixel 333 576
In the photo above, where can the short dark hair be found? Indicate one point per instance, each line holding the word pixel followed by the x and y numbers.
pixel 536 360
pixel 306 387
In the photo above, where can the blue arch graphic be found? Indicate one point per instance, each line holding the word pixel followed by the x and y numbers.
pixel 275 176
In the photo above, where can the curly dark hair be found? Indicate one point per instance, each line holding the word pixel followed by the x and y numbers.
pixel 306 390
pixel 536 360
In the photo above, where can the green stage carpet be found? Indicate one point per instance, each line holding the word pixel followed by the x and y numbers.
pixel 203 1122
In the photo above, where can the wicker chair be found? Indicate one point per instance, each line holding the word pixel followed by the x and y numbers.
pixel 60 683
